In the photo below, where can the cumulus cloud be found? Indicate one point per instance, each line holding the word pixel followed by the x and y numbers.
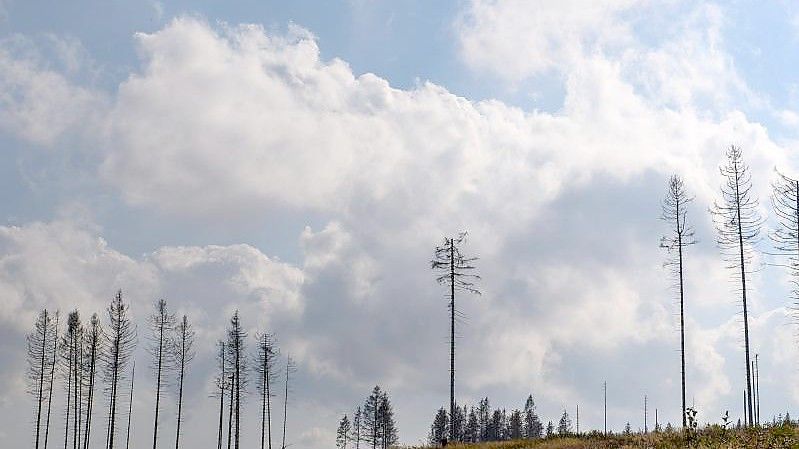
pixel 561 207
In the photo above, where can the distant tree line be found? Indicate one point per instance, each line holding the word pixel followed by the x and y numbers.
pixel 92 357
pixel 481 423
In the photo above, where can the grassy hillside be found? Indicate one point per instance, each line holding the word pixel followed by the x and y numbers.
pixel 781 436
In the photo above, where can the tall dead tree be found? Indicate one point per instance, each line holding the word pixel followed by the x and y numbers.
pixel 238 360
pixel 456 273
pixel 53 353
pixel 183 355
pixel 290 369
pixel 681 235
pixel 221 385
pixel 738 225
pixel 119 343
pixel 130 404
pixel 785 238
pixel 39 361
pixel 92 349
pixel 266 376
pixel 70 346
pixel 160 322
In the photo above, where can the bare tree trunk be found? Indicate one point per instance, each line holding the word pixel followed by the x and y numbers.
pixel 221 393
pixel 130 406
pixel 230 413
pixel 52 378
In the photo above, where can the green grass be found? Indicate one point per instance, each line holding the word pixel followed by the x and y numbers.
pixel 780 436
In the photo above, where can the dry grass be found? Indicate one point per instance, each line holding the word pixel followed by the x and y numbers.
pixel 782 436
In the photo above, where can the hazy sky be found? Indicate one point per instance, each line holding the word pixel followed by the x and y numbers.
pixel 298 161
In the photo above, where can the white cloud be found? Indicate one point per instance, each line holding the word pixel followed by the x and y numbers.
pixel 227 120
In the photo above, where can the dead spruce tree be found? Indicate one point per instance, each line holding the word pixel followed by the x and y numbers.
pixel 738 229
pixel 160 323
pixel 91 343
pixel 681 235
pixel 266 375
pixel 119 343
pixel 220 386
pixel 456 274
pixel 130 404
pixel 39 361
pixel 183 355
pixel 54 354
pixel 291 368
pixel 238 360
pixel 785 238
pixel 70 349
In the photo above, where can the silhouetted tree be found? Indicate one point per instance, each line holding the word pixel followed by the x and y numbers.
pixel 54 354
pixel 130 404
pixel 183 354
pixel 160 322
pixel 565 424
pixel 440 427
pixel 39 360
pixel 532 425
pixel 356 427
pixel 221 385
pixel 514 431
pixel 495 426
pixel 471 432
pixel 681 235
pixel 456 273
pixel 785 238
pixel 238 360
pixel 738 227
pixel 484 416
pixel 343 433
pixel 266 377
pixel 120 341
pixel 70 357
pixel 388 428
pixel 290 369
pixel 550 430
pixel 457 421
pixel 92 342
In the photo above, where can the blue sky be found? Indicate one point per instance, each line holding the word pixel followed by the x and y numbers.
pixel 298 161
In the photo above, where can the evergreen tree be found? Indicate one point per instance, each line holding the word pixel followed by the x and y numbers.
pixel 515 425
pixel 71 363
pixel 532 425
pixel 550 430
pixel 484 418
pixel 343 433
pixel 388 427
pixel 356 427
pixel 471 433
pixel 440 427
pixel 565 424
pixel 627 429
pixel 494 431
pixel 457 421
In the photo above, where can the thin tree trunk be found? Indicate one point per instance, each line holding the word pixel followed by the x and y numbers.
pixel 682 312
pixel 40 395
pixel 285 405
pixel 158 382
pixel 130 405
pixel 52 378
pixel 221 396
pixel 230 412
pixel 268 407
pixel 69 398
pixel 743 287
pixel 180 386
pixel 452 338
pixel 114 382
